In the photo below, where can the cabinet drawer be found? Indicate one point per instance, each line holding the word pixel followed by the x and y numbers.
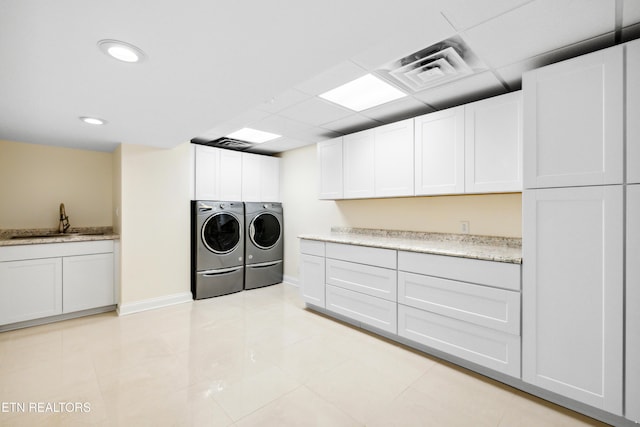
pixel 374 281
pixel 373 311
pixel 494 308
pixel 487 347
pixel 490 273
pixel 362 254
pixel 312 247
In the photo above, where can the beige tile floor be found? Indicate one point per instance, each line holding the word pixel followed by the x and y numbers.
pixel 255 358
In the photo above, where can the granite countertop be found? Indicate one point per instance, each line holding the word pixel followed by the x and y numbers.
pixel 36 236
pixel 490 248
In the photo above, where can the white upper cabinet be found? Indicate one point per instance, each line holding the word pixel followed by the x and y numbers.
pixel 218 174
pixel 230 175
pixel 573 121
pixel 572 314
pixel 394 162
pixel 260 178
pixel 330 169
pixel 269 179
pixel 633 112
pixel 358 164
pixel 493 144
pixel 206 164
pixel 439 152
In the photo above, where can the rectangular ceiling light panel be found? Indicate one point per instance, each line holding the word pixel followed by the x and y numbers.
pixel 253 135
pixel 363 93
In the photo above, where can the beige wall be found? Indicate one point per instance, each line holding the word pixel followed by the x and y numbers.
pixel 498 214
pixel 35 179
pixel 154 211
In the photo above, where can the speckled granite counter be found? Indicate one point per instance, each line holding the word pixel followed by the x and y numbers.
pixel 490 248
pixel 40 236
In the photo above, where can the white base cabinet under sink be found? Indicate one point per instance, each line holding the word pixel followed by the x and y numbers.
pixel 44 280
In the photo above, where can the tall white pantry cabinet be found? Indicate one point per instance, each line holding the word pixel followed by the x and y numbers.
pixel 574 231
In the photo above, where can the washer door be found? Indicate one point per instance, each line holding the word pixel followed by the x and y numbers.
pixel 265 230
pixel 221 233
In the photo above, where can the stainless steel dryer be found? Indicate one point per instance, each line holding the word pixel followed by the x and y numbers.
pixel 263 244
pixel 217 248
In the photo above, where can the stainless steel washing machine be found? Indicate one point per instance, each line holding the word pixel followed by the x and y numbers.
pixel 263 244
pixel 217 248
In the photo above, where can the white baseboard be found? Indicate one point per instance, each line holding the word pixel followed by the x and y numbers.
pixel 153 303
pixel 291 280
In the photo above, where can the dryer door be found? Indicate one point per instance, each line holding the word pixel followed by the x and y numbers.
pixel 265 230
pixel 221 233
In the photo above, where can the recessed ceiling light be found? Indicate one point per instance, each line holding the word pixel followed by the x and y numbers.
pixel 121 50
pixel 92 120
pixel 253 135
pixel 362 93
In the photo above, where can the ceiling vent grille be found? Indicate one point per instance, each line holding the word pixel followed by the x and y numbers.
pixel 437 64
pixel 224 142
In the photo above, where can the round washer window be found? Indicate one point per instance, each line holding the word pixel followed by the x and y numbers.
pixel 265 230
pixel 221 233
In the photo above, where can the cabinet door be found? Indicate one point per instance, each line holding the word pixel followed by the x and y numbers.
pixel 269 179
pixel 330 169
pixel 88 282
pixel 230 175
pixel 377 312
pixel 394 160
pixel 206 168
pixel 493 144
pixel 633 112
pixel 632 369
pixel 573 293
pixel 251 177
pixel 439 152
pixel 573 121
pixel 30 289
pixel 358 166
pixel 312 279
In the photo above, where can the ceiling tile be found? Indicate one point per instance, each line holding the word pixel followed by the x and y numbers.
pixel 283 100
pixel 278 145
pixel 312 135
pixel 433 29
pixel 280 125
pixel 315 112
pixel 472 88
pixel 464 14
pixel 630 12
pixel 350 124
pixel 512 74
pixel 539 27
pixel 332 78
pixel 397 110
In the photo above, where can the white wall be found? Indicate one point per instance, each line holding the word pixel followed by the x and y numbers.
pixel 497 214
pixel 35 179
pixel 154 224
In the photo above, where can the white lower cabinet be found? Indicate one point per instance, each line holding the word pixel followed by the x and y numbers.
pixel 38 281
pixel 312 279
pixel 632 367
pixel 30 289
pixel 493 308
pixel 572 330
pixel 487 347
pixel 88 282
pixel 375 281
pixel 372 311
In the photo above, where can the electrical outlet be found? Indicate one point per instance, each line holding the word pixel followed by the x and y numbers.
pixel 464 227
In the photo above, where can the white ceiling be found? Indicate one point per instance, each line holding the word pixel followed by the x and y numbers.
pixel 214 67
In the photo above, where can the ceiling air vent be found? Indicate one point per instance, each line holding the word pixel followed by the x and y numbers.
pixel 224 142
pixel 440 63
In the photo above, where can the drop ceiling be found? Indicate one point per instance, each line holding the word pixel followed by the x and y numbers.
pixel 215 67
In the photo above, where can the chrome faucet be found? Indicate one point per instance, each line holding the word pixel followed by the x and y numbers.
pixel 64 225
